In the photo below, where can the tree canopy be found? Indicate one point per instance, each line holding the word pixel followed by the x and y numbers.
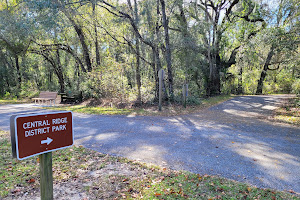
pixel 114 49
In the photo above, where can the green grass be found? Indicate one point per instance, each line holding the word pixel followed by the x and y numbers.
pixel 146 181
pixel 25 173
pixel 13 101
pixel 185 185
pixel 12 171
pixel 93 110
pixel 170 110
pixel 215 100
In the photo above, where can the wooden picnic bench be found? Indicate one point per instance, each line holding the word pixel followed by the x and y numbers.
pixel 46 96
pixel 69 97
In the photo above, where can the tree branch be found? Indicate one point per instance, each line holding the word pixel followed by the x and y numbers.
pixel 64 47
pixel 274 68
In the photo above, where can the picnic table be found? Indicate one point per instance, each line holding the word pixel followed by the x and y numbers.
pixel 70 97
pixel 46 96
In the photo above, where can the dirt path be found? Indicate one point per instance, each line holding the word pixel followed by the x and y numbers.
pixel 234 140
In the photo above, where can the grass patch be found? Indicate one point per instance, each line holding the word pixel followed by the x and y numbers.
pixel 167 110
pixel 185 185
pixel 13 101
pixel 100 176
pixel 289 111
pixel 93 110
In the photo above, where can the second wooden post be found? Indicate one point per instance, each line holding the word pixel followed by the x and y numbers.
pixel 161 74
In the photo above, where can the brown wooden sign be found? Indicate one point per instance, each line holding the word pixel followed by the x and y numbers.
pixel 40 133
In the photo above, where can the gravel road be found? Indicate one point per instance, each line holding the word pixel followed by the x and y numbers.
pixel 233 139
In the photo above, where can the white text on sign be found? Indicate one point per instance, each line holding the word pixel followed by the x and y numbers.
pixel 60 125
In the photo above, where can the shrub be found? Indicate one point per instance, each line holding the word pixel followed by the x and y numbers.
pixel 296 87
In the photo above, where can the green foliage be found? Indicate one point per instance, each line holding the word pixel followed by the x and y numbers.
pixel 10 96
pixel 296 87
pixel 45 37
pixel 191 100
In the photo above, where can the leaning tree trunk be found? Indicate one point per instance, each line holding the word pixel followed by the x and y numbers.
pixel 138 71
pixel 263 74
pixel 82 39
pixel 59 73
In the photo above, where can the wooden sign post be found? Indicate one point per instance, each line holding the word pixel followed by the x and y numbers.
pixel 184 94
pixel 161 74
pixel 40 134
pixel 46 184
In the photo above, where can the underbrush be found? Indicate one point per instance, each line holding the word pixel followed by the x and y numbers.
pixel 106 107
pixel 289 111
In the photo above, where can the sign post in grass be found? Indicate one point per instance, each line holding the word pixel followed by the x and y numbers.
pixel 184 93
pixel 40 134
pixel 183 96
pixel 46 184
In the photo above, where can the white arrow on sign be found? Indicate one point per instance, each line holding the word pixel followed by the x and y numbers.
pixel 48 141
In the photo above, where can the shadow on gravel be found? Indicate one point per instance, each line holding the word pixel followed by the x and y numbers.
pixel 232 139
pixel 234 144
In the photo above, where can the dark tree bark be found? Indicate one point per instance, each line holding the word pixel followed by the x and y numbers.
pixel 213 11
pixel 59 73
pixel 138 71
pixel 54 64
pixel 18 70
pixel 82 39
pixel 64 47
pixel 138 63
pixel 134 12
pixel 165 21
pixel 155 75
pixel 240 81
pixel 155 49
pixel 96 36
pixel 263 74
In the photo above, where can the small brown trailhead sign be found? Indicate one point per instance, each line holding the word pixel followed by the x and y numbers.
pixel 35 134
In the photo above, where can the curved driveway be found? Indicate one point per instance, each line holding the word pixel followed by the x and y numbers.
pixel 232 139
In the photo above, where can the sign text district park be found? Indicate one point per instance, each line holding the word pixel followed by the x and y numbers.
pixel 34 134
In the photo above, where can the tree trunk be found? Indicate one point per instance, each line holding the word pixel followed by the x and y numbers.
pixel 156 49
pixel 96 36
pixel 82 40
pixel 263 74
pixel 138 62
pixel 18 70
pixel 59 73
pixel 138 71
pixel 155 75
pixel 168 49
pixel 240 81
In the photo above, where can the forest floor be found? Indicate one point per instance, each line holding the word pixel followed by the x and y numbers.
pixel 288 112
pixel 81 174
pixel 114 107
